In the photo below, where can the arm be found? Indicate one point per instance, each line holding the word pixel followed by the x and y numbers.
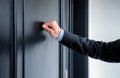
pixel 109 52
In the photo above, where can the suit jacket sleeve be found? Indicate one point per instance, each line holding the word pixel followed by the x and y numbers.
pixel 109 52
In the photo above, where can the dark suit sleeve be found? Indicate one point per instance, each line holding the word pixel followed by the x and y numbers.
pixel 109 52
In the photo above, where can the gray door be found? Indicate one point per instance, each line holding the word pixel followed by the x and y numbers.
pixel 24 53
pixel 41 50
pixel 5 14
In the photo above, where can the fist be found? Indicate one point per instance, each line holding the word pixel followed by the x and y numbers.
pixel 52 28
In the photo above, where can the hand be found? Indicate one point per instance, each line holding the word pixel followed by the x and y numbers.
pixel 52 28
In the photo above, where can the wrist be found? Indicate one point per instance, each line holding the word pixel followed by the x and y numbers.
pixel 59 32
pixel 60 36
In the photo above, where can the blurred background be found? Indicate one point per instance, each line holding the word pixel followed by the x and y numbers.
pixel 104 25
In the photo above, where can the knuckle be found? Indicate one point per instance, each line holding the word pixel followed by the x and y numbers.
pixel 53 21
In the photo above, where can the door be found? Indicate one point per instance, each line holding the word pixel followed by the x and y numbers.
pixel 5 23
pixel 24 53
pixel 41 50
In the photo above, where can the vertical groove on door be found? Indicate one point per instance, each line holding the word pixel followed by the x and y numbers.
pixel 23 41
pixel 11 37
pixel 13 41
pixel 60 46
pixel 70 29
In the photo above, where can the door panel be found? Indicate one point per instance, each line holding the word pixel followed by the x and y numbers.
pixel 41 50
pixel 5 38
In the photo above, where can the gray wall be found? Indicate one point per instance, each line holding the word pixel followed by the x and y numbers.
pixel 104 24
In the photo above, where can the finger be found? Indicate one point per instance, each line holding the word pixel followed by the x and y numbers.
pixel 46 28
pixel 50 23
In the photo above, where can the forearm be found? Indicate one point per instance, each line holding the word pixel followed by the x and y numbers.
pixel 95 49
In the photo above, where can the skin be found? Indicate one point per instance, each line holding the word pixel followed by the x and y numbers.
pixel 52 28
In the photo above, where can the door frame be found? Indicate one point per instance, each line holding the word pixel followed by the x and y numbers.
pixel 78 24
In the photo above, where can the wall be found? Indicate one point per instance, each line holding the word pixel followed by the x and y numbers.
pixel 104 24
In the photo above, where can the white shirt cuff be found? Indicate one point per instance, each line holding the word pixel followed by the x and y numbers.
pixel 61 35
